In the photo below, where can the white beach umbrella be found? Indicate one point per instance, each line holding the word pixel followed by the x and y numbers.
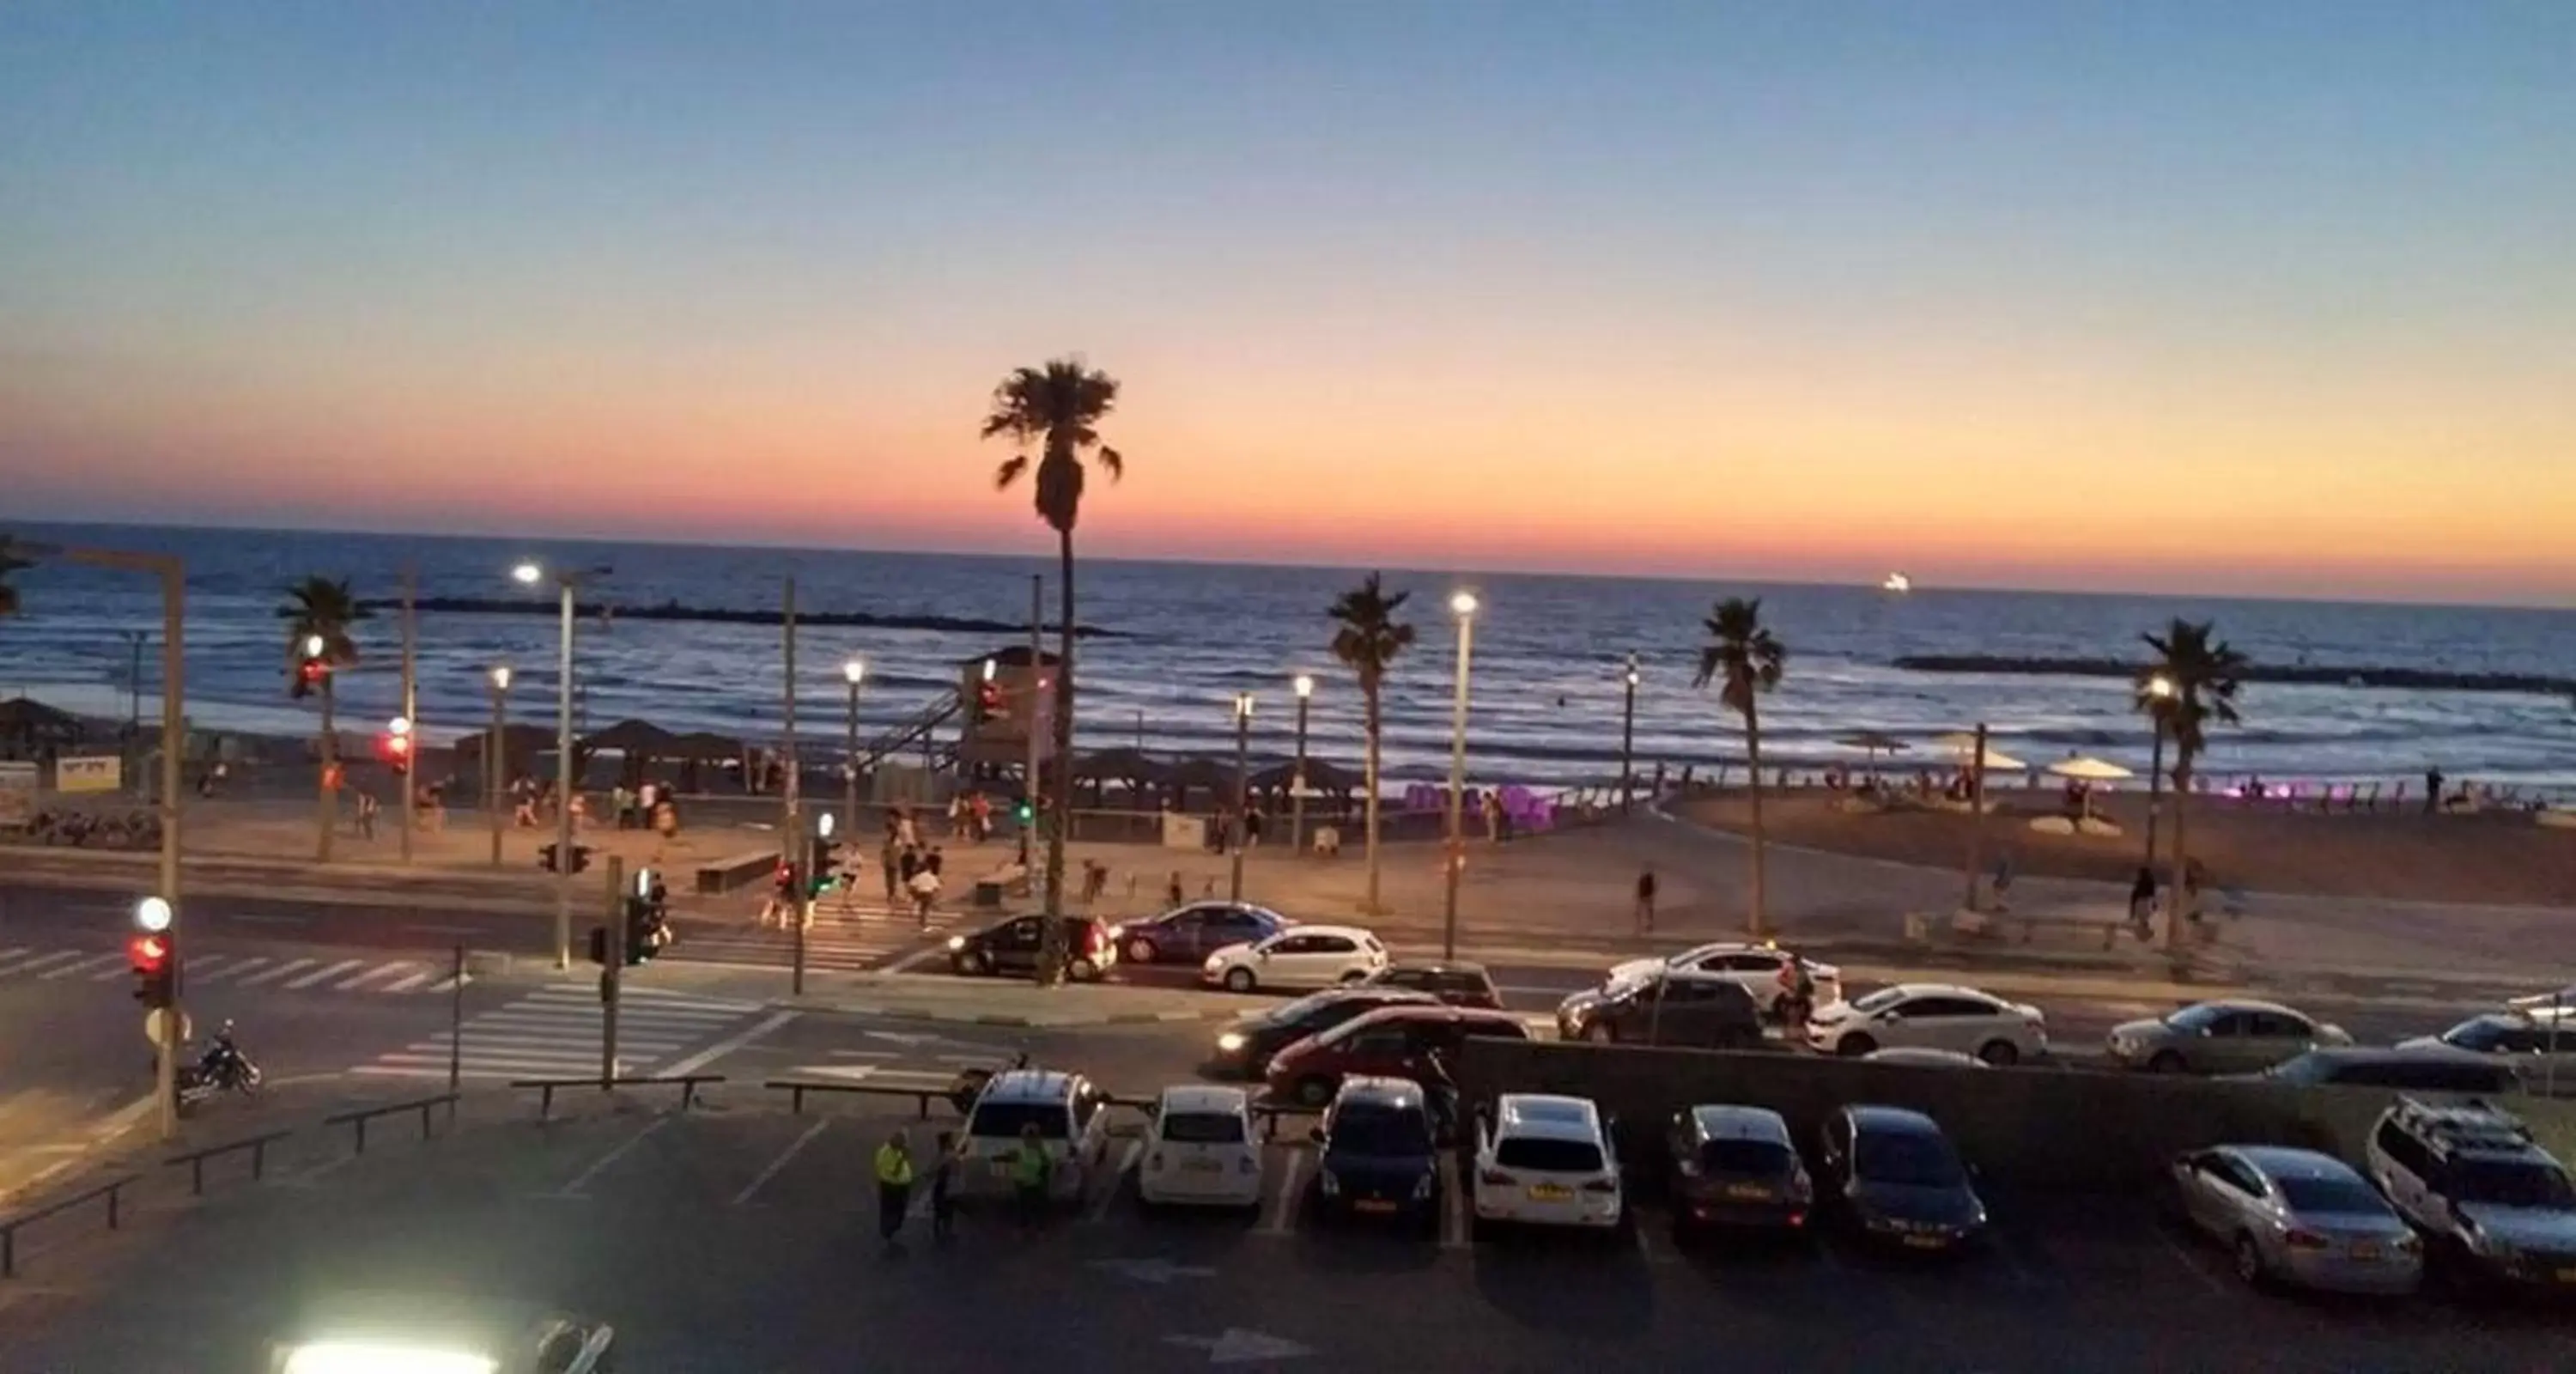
pixel 2086 768
pixel 1962 746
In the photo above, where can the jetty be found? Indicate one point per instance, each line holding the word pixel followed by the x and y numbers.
pixel 722 615
pixel 2310 674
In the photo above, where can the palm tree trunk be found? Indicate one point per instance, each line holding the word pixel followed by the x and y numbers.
pixel 2177 902
pixel 1370 692
pixel 1754 921
pixel 324 812
pixel 1058 816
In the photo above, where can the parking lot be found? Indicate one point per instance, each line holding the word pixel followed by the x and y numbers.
pixel 743 1238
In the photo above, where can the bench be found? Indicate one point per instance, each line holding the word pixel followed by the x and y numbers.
pixel 993 886
pixel 2001 925
pixel 719 876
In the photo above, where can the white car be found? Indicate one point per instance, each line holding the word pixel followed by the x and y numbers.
pixel 1545 1160
pixel 1201 1149
pixel 1755 968
pixel 1930 1016
pixel 1298 957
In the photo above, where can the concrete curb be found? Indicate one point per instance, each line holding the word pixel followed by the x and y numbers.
pixel 1013 1020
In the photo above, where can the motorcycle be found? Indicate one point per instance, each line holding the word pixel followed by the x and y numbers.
pixel 222 1068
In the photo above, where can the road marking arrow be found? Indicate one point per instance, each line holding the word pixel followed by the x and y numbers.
pixel 1238 1346
pixel 1157 1271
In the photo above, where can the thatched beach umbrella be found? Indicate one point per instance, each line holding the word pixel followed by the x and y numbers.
pixel 2085 768
pixel 1192 773
pixel 27 724
pixel 1962 747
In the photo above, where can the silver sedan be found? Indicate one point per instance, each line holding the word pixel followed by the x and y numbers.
pixel 2299 1217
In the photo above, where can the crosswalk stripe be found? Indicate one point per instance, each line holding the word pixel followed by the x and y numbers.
pixel 280 971
pixel 199 963
pixel 112 972
pixel 408 983
pixel 12 952
pixel 379 971
pixel 333 971
pixel 43 960
pixel 93 962
pixel 239 967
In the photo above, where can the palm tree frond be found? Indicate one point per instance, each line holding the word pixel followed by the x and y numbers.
pixel 1010 469
pixel 1113 461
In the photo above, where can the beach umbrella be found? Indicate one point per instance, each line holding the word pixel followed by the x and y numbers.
pixel 2086 768
pixel 1874 743
pixel 1962 746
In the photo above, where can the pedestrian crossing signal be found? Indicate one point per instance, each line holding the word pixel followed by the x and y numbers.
pixel 599 945
pixel 156 969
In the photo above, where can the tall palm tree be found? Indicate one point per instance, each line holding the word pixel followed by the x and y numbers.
pixel 320 607
pixel 1368 638
pixel 1058 408
pixel 10 563
pixel 2204 675
pixel 1746 660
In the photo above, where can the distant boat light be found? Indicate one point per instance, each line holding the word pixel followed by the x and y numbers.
pixel 1897 582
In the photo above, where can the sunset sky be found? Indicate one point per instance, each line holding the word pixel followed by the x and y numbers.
pixel 2270 297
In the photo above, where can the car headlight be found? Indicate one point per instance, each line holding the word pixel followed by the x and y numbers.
pixel 1232 1042
pixel 1422 1188
pixel 1214 963
pixel 956 943
pixel 1330 1183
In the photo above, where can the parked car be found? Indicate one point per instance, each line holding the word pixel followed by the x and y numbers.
pixel 1393 1042
pixel 1755 968
pixel 1200 1148
pixel 1735 1166
pixel 2221 1037
pixel 1243 1050
pixel 1189 934
pixel 1699 1010
pixel 1458 984
pixel 1546 1160
pixel 1065 1108
pixel 1013 946
pixel 1932 1016
pixel 1298 957
pixel 1379 1154
pixel 1925 1059
pixel 2455 1073
pixel 2492 1203
pixel 2539 1044
pixel 1894 1177
pixel 2296 1216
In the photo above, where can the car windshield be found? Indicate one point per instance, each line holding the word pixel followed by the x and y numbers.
pixel 1380 1131
pixel 1906 1157
pixel 1758 1158
pixel 1291 1013
pixel 1548 1156
pixel 1203 1128
pixel 2307 1193
pixel 1004 1120
pixel 2194 1018
pixel 1880 1000
pixel 2478 1033
pixel 2511 1183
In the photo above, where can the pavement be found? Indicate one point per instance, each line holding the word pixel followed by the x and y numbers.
pixel 742 1237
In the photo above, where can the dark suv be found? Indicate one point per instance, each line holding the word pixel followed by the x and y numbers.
pixel 1014 946
pixel 1380 1152
pixel 1697 1010
pixel 1458 984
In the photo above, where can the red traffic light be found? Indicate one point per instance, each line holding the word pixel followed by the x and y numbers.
pixel 147 953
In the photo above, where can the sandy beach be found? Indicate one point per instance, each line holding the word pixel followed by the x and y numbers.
pixel 2492 858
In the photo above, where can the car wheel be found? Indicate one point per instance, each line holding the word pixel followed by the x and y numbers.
pixel 2165 1061
pixel 1351 976
pixel 2249 1261
pixel 1315 1092
pixel 1140 951
pixel 1239 980
pixel 1600 1033
pixel 1854 1046
pixel 1082 970
pixel 1999 1053
pixel 972 962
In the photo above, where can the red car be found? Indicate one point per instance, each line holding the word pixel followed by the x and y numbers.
pixel 1395 1042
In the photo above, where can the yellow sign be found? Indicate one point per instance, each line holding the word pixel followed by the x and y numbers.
pixel 89 773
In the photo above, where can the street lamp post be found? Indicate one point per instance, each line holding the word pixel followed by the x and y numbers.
pixel 1628 740
pixel 1242 789
pixel 1463 606
pixel 403 807
pixel 495 764
pixel 566 582
pixel 855 673
pixel 1305 686
pixel 2161 688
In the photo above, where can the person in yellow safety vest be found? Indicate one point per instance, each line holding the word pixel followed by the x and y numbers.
pixel 894 1187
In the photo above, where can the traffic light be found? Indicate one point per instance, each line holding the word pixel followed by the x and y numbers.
pixel 646 931
pixel 156 968
pixel 988 701
pixel 395 750
pixel 1024 810
pixel 548 860
pixel 599 945
pixel 312 665
pixel 822 861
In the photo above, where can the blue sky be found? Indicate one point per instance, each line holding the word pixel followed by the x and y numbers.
pixel 361 262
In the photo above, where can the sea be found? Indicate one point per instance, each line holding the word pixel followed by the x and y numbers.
pixel 1181 640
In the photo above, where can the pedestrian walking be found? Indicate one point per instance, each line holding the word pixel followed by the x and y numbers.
pixel 1030 1171
pixel 1646 902
pixel 943 1176
pixel 2142 902
pixel 2432 791
pixel 1172 893
pixel 925 892
pixel 1252 823
pixel 366 815
pixel 894 1188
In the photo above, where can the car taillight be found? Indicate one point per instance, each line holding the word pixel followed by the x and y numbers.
pixel 1797 1218
pixel 2298 1239
pixel 1494 1178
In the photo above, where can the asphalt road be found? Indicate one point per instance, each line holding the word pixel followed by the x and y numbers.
pixel 742 1239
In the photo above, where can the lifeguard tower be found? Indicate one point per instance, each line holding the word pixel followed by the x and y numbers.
pixel 1006 702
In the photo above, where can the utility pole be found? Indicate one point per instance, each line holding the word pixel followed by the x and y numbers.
pixel 1976 813
pixel 564 783
pixel 854 672
pixel 1242 789
pixel 495 761
pixel 613 945
pixel 1037 695
pixel 408 813
pixel 456 1023
pixel 1463 606
pixel 1628 741
pixel 1305 686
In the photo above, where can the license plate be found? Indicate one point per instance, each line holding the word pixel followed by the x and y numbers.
pixel 1201 1166
pixel 1372 1205
pixel 1925 1242
pixel 2365 1250
pixel 1749 1192
pixel 1549 1192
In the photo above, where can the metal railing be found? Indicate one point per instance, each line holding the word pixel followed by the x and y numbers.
pixel 357 1120
pixel 196 1159
pixel 548 1087
pixel 111 1190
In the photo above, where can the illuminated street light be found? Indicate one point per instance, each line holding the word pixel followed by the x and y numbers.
pixel 313 646
pixel 1463 606
pixel 1305 686
pixel 1242 790
pixel 855 671
pixel 501 678
pixel 528 574
pixel 152 915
